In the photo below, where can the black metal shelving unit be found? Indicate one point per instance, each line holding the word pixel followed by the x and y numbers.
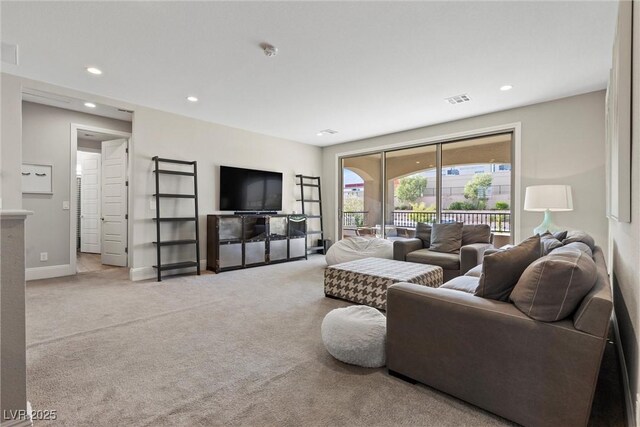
pixel 312 198
pixel 159 219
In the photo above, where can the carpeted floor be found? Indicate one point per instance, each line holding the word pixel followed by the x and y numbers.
pixel 238 348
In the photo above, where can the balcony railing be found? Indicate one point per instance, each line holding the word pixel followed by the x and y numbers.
pixel 499 221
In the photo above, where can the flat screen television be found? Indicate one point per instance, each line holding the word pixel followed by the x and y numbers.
pixel 250 190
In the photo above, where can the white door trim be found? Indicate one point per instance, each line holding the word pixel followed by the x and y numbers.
pixel 515 127
pixel 73 142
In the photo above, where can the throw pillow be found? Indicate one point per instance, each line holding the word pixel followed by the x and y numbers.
pixel 501 270
pixel 549 243
pixel 579 236
pixel 560 235
pixel 423 232
pixel 552 287
pixel 476 233
pixel 577 245
pixel 467 284
pixel 446 237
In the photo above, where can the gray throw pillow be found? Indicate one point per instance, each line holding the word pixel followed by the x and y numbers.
pixel 475 233
pixel 446 237
pixel 552 287
pixel 467 284
pixel 423 232
pixel 560 235
pixel 579 236
pixel 549 243
pixel 577 245
pixel 501 270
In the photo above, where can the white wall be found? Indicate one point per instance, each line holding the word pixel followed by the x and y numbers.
pixel 172 136
pixel 46 133
pixel 625 241
pixel 562 142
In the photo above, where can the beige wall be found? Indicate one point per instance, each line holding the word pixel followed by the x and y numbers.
pixel 625 239
pixel 10 144
pixel 173 136
pixel 562 142
pixel 46 133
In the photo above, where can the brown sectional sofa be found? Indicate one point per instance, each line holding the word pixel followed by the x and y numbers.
pixel 491 354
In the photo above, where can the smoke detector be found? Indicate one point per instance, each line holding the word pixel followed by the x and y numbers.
pixel 269 50
pixel 458 99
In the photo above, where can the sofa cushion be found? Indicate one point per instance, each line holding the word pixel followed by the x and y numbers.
pixel 467 284
pixel 501 270
pixel 475 271
pixel 427 256
pixel 423 232
pixel 446 237
pixel 579 236
pixel 552 287
pixel 549 243
pixel 476 233
pixel 583 247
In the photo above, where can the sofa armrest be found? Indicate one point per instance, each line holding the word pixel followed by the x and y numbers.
pixel 492 355
pixel 402 247
pixel 471 255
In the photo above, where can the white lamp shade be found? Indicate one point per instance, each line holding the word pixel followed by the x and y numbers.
pixel 548 197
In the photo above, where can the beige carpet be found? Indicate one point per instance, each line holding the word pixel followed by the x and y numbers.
pixel 238 348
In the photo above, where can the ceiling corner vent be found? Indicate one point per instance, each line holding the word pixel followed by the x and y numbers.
pixel 458 99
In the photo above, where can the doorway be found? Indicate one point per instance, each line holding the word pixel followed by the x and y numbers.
pixel 101 214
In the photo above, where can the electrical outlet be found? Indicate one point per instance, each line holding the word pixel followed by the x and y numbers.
pixel 44 256
pixel 65 205
pixel 152 204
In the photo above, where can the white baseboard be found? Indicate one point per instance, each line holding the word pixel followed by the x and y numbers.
pixel 16 423
pixel 48 272
pixel 628 400
pixel 145 273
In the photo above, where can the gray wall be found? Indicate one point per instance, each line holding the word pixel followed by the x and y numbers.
pixel 625 238
pixel 46 135
pixel 562 143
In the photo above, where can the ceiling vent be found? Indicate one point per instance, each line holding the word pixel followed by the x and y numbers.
pixel 327 132
pixel 458 99
pixel 122 110
pixel 10 53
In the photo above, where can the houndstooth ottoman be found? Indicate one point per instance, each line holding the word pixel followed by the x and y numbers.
pixel 365 281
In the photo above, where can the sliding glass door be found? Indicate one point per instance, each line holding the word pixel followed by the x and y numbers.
pixel 467 181
pixel 361 203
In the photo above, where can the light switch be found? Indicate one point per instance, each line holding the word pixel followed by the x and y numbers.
pixel 65 205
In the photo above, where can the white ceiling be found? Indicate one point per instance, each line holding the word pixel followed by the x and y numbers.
pixel 361 68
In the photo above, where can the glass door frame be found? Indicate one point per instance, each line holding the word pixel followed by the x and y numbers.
pixel 513 130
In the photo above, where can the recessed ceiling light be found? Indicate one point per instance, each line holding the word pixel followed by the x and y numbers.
pixel 94 70
pixel 417 163
pixel 90 105
pixel 506 87
pixel 192 99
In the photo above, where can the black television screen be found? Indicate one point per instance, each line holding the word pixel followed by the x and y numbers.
pixel 250 190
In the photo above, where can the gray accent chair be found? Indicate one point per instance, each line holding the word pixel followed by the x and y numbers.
pixel 453 264
pixel 494 356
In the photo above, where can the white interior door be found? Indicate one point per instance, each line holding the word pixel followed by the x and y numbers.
pixel 114 202
pixel 90 234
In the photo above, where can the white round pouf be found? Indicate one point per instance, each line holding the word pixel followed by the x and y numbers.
pixel 353 248
pixel 356 335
